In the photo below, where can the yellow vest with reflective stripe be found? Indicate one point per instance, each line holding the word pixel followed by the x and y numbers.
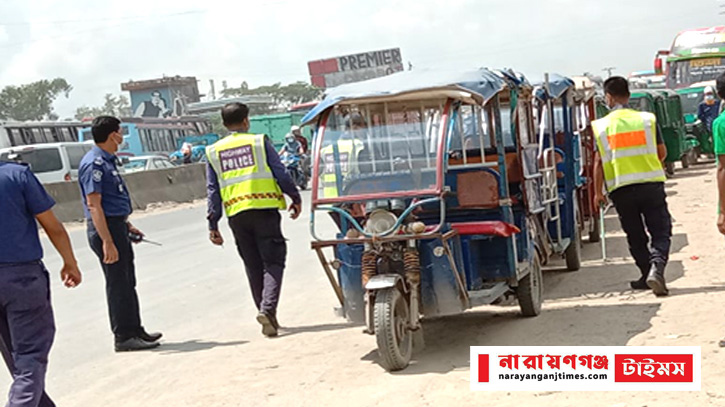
pixel 245 178
pixel 627 143
pixel 347 151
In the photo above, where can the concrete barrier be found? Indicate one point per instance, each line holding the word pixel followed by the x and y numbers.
pixel 180 184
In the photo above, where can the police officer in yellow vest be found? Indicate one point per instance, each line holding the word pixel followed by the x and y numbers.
pixel 246 177
pixel 629 162
pixel 344 151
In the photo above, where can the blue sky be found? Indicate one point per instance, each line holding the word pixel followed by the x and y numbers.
pixel 97 45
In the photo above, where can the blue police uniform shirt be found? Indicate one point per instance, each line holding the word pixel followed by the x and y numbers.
pixel 21 198
pixel 98 173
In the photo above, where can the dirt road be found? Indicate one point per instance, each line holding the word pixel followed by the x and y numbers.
pixel 214 355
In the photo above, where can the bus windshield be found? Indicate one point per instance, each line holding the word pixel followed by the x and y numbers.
pixel 684 73
pixel 380 148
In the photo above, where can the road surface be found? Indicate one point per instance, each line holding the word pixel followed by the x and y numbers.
pixel 213 353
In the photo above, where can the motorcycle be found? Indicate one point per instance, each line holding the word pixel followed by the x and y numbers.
pixel 292 162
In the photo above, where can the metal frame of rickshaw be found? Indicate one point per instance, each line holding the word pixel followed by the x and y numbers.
pixel 441 231
pixel 585 99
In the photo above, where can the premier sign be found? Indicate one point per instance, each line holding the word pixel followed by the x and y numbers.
pixel 331 72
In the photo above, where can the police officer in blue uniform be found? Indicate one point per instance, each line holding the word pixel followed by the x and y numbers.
pixel 107 204
pixel 27 327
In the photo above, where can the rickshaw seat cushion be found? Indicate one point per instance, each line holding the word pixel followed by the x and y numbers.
pixel 488 227
pixel 478 189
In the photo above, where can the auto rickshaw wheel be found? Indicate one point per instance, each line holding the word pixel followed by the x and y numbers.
pixel 530 291
pixel 392 321
pixel 685 160
pixel 670 168
pixel 573 253
pixel 595 231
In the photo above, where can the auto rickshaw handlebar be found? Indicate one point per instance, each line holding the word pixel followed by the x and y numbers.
pixel 398 223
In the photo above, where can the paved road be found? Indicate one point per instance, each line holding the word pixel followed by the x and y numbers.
pixel 214 355
pixel 192 291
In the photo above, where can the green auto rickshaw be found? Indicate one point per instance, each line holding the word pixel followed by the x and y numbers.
pixel 666 106
pixel 698 134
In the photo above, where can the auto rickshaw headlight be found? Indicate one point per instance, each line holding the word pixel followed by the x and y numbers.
pixel 380 221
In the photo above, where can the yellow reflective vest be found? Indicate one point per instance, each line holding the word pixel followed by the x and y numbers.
pixel 627 143
pixel 347 151
pixel 245 179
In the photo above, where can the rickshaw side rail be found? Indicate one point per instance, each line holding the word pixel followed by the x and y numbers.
pixel 330 276
pixel 395 238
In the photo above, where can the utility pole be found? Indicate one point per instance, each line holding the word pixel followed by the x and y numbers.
pixel 609 70
pixel 213 92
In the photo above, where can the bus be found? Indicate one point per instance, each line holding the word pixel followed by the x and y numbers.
pixel 693 62
pixel 145 136
pixel 695 56
pixel 646 80
pixel 15 134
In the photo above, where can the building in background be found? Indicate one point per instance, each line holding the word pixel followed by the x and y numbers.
pixel 164 97
pixel 327 73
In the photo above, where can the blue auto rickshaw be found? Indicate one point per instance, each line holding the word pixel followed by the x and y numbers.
pixel 434 182
pixel 557 108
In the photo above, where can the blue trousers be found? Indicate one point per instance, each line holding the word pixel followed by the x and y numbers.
pixel 26 319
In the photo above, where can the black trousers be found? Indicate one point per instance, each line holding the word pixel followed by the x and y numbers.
pixel 258 235
pixel 123 306
pixel 641 205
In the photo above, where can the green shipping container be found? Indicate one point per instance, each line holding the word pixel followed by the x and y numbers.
pixel 276 126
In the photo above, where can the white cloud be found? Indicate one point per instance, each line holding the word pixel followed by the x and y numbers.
pixel 270 41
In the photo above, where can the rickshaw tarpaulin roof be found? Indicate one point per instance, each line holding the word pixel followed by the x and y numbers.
pixel 481 82
pixel 558 84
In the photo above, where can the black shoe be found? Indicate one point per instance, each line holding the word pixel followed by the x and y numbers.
pixel 269 324
pixel 134 344
pixel 722 343
pixel 656 280
pixel 150 337
pixel 640 284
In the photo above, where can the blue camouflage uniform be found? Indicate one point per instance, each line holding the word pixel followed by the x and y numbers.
pixel 27 327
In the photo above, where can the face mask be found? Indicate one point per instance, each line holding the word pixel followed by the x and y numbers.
pixel 117 139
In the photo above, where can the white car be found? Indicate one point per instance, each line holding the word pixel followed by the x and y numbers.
pixel 50 162
pixel 145 163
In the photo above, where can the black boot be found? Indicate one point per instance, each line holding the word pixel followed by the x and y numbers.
pixel 640 284
pixel 656 279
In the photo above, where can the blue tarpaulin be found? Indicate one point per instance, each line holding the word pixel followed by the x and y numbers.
pixel 557 85
pixel 482 82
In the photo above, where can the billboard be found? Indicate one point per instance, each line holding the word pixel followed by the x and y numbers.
pixel 163 97
pixel 327 73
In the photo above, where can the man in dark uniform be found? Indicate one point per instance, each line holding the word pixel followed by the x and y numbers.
pixel 249 184
pixel 628 161
pixel 27 327
pixel 107 204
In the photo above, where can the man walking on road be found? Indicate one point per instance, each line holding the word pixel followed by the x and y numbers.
pixel 246 177
pixel 718 137
pixel 27 327
pixel 629 162
pixel 107 205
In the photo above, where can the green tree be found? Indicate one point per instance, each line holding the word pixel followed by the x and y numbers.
pixel 32 101
pixel 282 96
pixel 118 106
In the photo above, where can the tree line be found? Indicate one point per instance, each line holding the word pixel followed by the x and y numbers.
pixel 34 101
